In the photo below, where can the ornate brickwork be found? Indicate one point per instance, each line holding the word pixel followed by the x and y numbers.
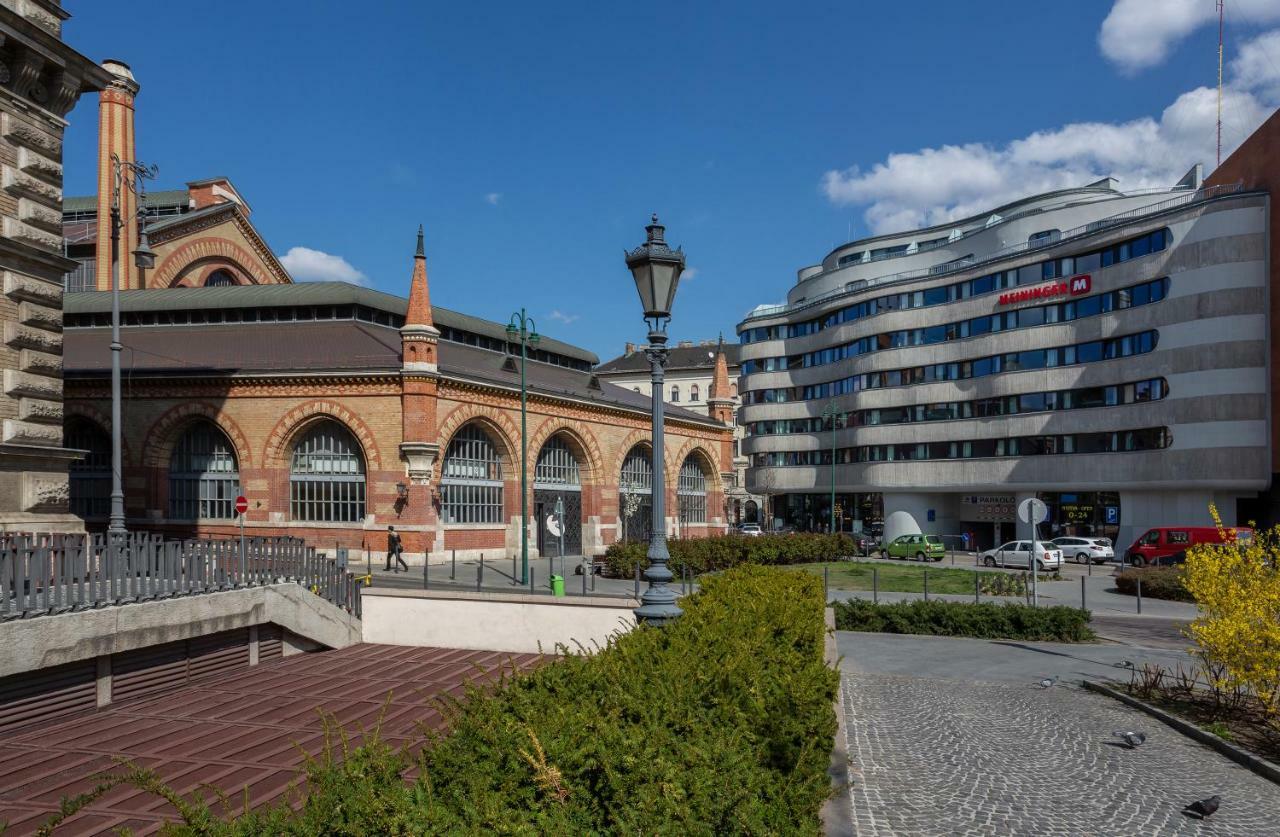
pixel 164 432
pixel 278 446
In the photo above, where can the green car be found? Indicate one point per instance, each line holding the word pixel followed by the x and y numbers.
pixel 919 547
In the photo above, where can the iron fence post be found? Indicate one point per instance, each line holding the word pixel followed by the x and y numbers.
pixel 875 585
pixel 1139 595
pixel 1082 594
pixel 926 584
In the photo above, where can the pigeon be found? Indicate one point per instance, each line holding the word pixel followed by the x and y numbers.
pixel 1049 681
pixel 1133 739
pixel 1202 808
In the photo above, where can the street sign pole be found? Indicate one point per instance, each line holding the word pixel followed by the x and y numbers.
pixel 1033 510
pixel 560 520
pixel 242 506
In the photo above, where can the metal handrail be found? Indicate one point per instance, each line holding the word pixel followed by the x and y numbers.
pixel 1197 196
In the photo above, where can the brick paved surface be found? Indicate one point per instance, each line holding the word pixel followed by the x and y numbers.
pixel 931 757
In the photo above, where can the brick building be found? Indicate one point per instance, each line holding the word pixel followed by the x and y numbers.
pixel 338 410
pixel 41 78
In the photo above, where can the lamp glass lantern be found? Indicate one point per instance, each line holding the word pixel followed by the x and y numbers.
pixel 144 257
pixel 402 490
pixel 656 270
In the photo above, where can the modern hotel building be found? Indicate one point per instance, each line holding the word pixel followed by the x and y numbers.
pixel 1107 351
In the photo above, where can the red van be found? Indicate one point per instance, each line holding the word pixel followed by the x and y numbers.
pixel 1163 542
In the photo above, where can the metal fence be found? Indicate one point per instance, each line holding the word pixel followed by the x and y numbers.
pixel 45 573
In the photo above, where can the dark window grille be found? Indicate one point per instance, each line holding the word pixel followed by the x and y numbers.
pixel 204 480
pixel 327 476
pixel 471 479
pixel 691 492
pixel 557 467
pixel 90 484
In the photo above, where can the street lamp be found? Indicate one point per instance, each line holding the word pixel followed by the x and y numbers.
pixel 126 174
pixel 522 328
pixel 830 413
pixel 656 269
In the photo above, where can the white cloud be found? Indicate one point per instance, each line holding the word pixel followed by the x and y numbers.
pixel 689 273
pixel 307 265
pixel 937 185
pixel 560 316
pixel 1139 33
pixel 493 198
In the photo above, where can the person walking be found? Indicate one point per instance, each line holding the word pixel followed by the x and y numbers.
pixel 394 549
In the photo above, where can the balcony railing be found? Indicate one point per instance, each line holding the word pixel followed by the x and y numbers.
pixel 1189 197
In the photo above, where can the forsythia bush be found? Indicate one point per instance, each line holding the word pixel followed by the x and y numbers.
pixel 1237 585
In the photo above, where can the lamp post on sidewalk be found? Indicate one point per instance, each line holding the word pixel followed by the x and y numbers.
pixel 830 412
pixel 522 328
pixel 656 270
pixel 126 174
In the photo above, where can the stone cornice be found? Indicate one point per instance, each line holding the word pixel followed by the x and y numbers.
pixel 50 74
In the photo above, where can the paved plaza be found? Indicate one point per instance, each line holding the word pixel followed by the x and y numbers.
pixel 955 736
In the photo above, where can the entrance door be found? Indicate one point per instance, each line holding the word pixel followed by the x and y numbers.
pixel 550 527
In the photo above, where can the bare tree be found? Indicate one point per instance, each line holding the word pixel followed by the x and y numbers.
pixel 630 500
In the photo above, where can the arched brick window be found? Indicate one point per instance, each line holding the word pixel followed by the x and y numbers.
pixel 90 477
pixel 635 494
pixel 327 476
pixel 220 278
pixel 471 479
pixel 204 479
pixel 691 492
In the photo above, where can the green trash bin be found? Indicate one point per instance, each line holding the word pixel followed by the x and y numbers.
pixel 557 585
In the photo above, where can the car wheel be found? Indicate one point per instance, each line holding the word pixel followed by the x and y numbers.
pixel 1040 566
pixel 1137 561
pixel 920 556
pixel 988 561
pixel 1082 558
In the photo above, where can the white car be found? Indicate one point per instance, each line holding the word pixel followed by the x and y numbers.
pixel 1018 554
pixel 749 529
pixel 1085 550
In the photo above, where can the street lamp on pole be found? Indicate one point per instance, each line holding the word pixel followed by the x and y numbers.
pixel 830 413
pixel 522 328
pixel 656 270
pixel 126 174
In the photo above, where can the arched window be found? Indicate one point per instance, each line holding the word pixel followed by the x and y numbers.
pixel 693 394
pixel 326 479
pixel 91 476
pixel 691 492
pixel 635 490
pixel 203 478
pixel 471 479
pixel 675 395
pixel 557 466
pixel 220 278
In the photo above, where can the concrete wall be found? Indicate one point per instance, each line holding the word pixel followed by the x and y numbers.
pixel 491 622
pixel 31 644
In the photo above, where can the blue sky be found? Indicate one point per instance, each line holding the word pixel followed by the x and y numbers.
pixel 533 140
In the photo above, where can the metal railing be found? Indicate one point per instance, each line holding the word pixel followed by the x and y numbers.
pixel 46 574
pixel 1197 196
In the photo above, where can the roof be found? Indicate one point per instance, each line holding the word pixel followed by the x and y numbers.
pixel 164 197
pixel 679 357
pixel 170 220
pixel 300 293
pixel 344 346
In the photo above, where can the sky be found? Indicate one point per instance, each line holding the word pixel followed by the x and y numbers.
pixel 534 140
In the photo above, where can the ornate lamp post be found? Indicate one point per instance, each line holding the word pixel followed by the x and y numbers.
pixel 522 328
pixel 656 269
pixel 126 174
pixel 830 412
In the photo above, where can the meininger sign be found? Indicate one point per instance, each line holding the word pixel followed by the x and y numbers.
pixel 1074 286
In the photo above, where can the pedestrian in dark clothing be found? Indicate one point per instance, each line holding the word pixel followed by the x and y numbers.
pixel 394 549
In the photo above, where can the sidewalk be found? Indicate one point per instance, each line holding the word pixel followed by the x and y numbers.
pixel 501 576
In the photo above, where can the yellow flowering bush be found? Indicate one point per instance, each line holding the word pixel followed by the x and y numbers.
pixel 1237 586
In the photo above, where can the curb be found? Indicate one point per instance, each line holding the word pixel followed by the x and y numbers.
pixel 837 811
pixel 1260 766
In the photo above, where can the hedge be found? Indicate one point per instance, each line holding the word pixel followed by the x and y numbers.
pixel 986 620
pixel 722 552
pixel 1157 583
pixel 721 722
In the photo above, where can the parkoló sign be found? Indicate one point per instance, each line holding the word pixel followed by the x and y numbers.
pixel 1074 286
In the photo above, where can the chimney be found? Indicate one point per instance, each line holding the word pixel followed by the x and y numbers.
pixel 685 344
pixel 630 350
pixel 115 137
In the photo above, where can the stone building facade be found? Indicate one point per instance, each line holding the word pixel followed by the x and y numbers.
pixel 41 78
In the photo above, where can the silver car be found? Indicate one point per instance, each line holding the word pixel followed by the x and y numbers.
pixel 1085 550
pixel 1018 554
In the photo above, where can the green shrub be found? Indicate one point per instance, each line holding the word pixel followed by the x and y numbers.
pixel 721 722
pixel 702 555
pixel 1157 583
pixel 986 620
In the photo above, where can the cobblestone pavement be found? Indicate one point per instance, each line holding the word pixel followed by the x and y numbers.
pixel 950 757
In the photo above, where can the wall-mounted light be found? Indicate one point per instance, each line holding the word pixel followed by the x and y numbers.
pixel 402 491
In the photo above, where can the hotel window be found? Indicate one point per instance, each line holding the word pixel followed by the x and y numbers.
pixel 471 479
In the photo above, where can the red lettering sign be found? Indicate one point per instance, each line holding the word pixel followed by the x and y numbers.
pixel 1081 284
pixel 1075 286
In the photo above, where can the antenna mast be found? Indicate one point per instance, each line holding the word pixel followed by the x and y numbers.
pixel 1221 9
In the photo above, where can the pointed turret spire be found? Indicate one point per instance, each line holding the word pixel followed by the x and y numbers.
pixel 720 377
pixel 419 313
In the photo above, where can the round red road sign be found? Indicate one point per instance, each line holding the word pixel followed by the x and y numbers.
pixel 242 504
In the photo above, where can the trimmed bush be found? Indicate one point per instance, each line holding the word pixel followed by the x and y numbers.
pixel 985 621
pixel 1157 583
pixel 721 722
pixel 720 553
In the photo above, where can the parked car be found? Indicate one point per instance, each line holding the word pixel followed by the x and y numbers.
pixel 920 547
pixel 1018 554
pixel 1165 541
pixel 1085 550
pixel 750 530
pixel 866 544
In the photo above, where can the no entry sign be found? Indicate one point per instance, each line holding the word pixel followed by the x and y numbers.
pixel 242 504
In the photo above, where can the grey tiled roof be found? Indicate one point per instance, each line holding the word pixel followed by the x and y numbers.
pixel 680 357
pixel 300 293
pixel 164 197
